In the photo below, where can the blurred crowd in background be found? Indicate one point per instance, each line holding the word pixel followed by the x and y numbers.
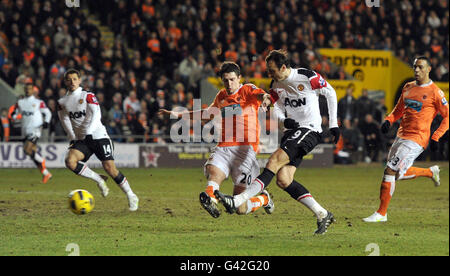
pixel 162 49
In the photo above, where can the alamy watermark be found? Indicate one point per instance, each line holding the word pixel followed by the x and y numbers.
pixel 373 249
pixel 373 3
pixel 73 3
pixel 232 123
pixel 73 249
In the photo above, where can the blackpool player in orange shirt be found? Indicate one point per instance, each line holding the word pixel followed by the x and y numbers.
pixel 235 154
pixel 419 103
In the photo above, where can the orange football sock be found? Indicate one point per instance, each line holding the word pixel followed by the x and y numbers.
pixel 386 191
pixel 210 191
pixel 257 202
pixel 42 167
pixel 415 172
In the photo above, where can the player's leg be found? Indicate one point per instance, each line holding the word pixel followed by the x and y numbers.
pixel 386 192
pixel 30 149
pixel 214 176
pixel 243 172
pixel 400 158
pixel 285 180
pixel 110 167
pixel 75 158
pixel 278 159
pixel 208 200
pixel 431 172
pixel 294 145
pixel 216 170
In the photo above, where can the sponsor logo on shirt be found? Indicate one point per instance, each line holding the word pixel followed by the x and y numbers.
pixel 77 115
pixel 294 102
pixel 416 105
pixel 27 113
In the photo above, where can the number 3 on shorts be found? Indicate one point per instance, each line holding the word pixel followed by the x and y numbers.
pixel 394 161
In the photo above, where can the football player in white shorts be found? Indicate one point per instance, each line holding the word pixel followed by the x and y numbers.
pixel 35 115
pixel 295 95
pixel 417 106
pixel 80 116
pixel 232 157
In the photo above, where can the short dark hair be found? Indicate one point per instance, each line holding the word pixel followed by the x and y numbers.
pixel 279 57
pixel 229 67
pixel 424 58
pixel 72 71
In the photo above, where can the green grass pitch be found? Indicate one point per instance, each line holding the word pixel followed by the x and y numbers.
pixel 35 219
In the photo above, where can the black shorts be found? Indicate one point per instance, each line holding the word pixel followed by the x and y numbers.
pixel 298 142
pixel 102 148
pixel 31 138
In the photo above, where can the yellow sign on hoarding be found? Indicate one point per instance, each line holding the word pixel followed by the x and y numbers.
pixel 377 70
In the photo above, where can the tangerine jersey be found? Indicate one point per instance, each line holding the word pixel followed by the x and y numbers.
pixel 417 107
pixel 239 114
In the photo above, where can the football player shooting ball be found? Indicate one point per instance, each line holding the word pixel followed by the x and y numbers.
pixel 294 92
pixel 233 157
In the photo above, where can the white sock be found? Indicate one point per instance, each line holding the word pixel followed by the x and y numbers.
pixel 312 205
pixel 256 187
pixel 38 158
pixel 214 185
pixel 125 187
pixel 88 173
pixel 45 172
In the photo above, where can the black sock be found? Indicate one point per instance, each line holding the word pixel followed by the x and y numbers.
pixel 78 168
pixel 266 176
pixel 119 178
pixel 32 158
pixel 296 190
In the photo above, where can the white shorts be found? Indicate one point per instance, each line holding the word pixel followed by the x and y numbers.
pixel 239 161
pixel 402 155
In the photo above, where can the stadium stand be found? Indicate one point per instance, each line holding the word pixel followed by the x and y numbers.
pixel 143 55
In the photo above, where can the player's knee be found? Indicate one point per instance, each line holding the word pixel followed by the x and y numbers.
pixel 28 151
pixel 282 183
pixel 389 171
pixel 71 163
pixel 285 177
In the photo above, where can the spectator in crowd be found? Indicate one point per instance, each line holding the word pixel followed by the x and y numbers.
pixel 4 125
pixel 350 136
pixel 56 131
pixel 115 113
pixel 173 42
pixel 347 105
pixel 131 103
pixel 372 138
pixel 364 105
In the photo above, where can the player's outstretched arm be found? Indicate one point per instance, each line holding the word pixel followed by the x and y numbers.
pixel 192 114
